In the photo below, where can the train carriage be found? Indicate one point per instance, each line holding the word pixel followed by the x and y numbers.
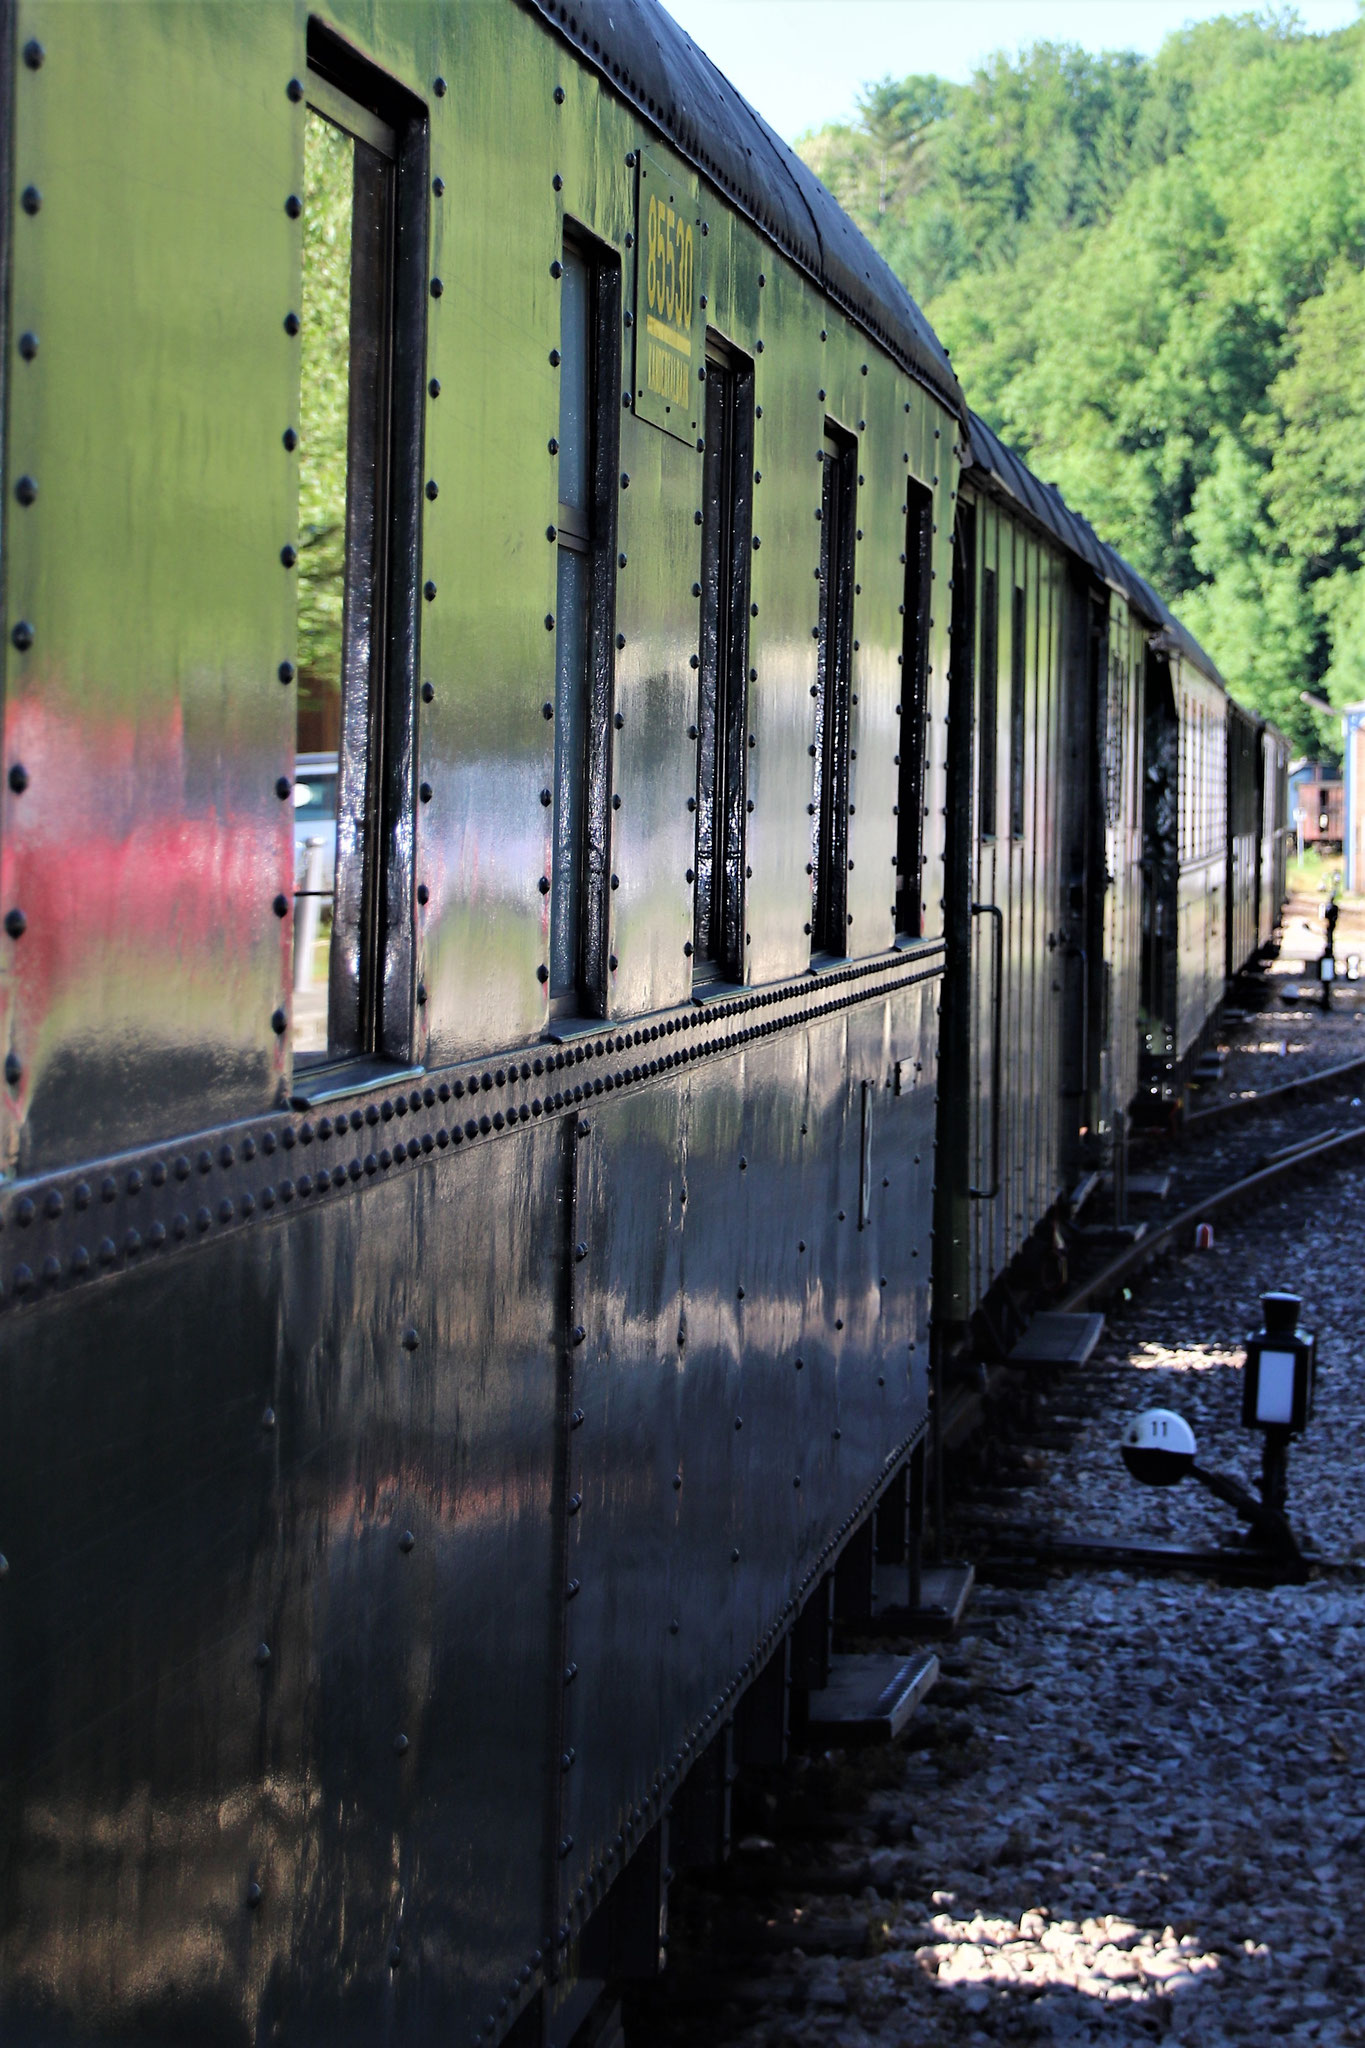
pixel 571 829
pixel 1185 892
pixel 469 1095
pixel 1043 873
pixel 1245 808
pixel 1276 835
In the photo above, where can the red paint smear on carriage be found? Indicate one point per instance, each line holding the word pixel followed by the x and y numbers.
pixel 105 882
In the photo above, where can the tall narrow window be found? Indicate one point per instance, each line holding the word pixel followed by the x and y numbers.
pixel 919 547
pixel 988 711
pixel 359 433
pixel 1018 684
pixel 723 693
pixel 583 665
pixel 829 836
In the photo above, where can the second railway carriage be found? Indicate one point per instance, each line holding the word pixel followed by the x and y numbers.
pixel 1039 1065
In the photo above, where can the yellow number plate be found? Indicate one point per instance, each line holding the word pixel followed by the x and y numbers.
pixel 670 333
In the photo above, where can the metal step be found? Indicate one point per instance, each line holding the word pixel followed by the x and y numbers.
pixel 1143 1187
pixel 1058 1338
pixel 870 1697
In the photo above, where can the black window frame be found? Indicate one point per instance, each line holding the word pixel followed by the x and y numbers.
pixel 1018 707
pixel 372 967
pixel 914 708
pixel 833 693
pixel 723 674
pixel 588 871
pixel 988 710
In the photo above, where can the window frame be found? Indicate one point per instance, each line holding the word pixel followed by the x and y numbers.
pixel 371 1012
pixel 718 899
pixel 988 709
pixel 584 994
pixel 833 693
pixel 914 708
pixel 1018 710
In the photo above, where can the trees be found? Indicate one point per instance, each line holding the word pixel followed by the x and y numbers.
pixel 1150 276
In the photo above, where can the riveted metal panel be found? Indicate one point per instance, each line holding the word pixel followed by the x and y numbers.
pixel 138 1484
pixel 788 376
pixel 751 1360
pixel 144 701
pixel 253 1650
pixel 653 832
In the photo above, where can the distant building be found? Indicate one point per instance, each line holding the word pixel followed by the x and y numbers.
pixel 1315 803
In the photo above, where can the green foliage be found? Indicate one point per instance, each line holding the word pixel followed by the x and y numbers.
pixel 1152 279
pixel 324 415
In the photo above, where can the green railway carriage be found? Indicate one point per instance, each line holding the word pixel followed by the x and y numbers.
pixel 570 841
pixel 465 1267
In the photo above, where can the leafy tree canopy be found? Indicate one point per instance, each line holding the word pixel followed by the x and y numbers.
pixel 1151 274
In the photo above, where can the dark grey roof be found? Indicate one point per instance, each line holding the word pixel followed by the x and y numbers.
pixel 1048 508
pixel 654 65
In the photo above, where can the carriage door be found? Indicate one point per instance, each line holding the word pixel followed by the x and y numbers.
pixel 987 919
pixel 955 1158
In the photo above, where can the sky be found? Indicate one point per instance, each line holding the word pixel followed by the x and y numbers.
pixel 802 62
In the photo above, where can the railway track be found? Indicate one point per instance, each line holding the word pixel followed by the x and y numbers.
pixel 827 1849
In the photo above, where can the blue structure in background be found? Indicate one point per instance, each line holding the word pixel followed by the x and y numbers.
pixel 1353 776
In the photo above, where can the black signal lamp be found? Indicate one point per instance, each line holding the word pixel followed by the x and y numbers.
pixel 1278 1380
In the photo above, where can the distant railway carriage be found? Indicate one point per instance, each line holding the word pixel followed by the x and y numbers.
pixel 575 832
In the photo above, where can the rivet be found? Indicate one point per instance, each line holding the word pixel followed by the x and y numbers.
pixel 542 973
pixel 434 388
pixel 16 924
pixel 438 86
pixel 34 54
pixel 559 95
pixel 436 287
pixel 428 590
pixel 286 671
pixel 22 635
pixel 291 439
pixel 26 490
pixel 291 323
pixel 406 1541
pixel 262 1654
pixel 279 1023
pixel 31 199
pixel 410 1339
pixel 289 555
pixel 400 1745
pixel 433 488
pixel 425 792
pixel 294 90
pixel 253 1893
pixel 28 346
pixel 293 206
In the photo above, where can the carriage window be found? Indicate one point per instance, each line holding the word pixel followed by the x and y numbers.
pixel 988 737
pixel 348 716
pixel 583 669
pixel 1018 674
pixel 723 693
pixel 919 542
pixel 829 809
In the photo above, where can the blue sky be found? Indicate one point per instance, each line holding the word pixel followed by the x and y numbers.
pixel 801 62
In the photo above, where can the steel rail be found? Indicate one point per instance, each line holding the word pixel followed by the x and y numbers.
pixel 1168 1234
pixel 1270 1098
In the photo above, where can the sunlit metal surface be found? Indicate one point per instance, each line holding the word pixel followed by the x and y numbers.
pixel 149 843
